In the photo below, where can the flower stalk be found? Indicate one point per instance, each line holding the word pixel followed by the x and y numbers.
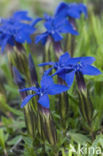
pixel 48 130
pixel 86 106
pixel 28 113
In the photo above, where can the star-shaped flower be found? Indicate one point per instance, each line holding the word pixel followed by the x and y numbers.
pixel 15 29
pixel 73 10
pixel 55 27
pixel 47 88
pixel 62 66
pixel 66 67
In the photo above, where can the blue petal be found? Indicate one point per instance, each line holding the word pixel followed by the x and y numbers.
pixel 21 15
pixel 67 28
pixel 36 21
pixel 46 81
pixel 57 89
pixel 47 17
pixel 22 37
pixel 69 78
pixel 62 75
pixel 64 58
pixel 90 70
pixel 58 71
pixel 46 73
pixel 48 24
pixel 83 9
pixel 24 33
pixel 26 100
pixel 61 8
pixel 4 43
pixel 87 60
pixel 46 63
pixel 56 36
pixel 75 10
pixel 44 101
pixel 27 89
pixel 42 37
pixel 73 61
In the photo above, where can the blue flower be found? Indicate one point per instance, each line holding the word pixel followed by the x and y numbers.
pixel 73 10
pixel 15 29
pixel 54 28
pixel 66 67
pixel 47 88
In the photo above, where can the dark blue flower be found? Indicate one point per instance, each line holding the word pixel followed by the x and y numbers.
pixel 66 67
pixel 55 27
pixel 73 10
pixel 15 29
pixel 47 88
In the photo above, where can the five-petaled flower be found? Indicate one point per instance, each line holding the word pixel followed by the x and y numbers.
pixel 71 10
pixel 47 88
pixel 55 26
pixel 15 29
pixel 66 67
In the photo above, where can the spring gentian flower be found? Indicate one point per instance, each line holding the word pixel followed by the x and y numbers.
pixel 62 65
pixel 15 30
pixel 54 28
pixel 72 10
pixel 47 88
pixel 84 67
pixel 67 67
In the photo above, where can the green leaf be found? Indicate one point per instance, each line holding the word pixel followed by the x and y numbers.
pixel 79 138
pixel 2 139
pixel 15 140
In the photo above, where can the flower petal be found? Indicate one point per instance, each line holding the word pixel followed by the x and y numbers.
pixel 56 36
pixel 90 70
pixel 69 78
pixel 42 37
pixel 66 27
pixel 57 89
pixel 73 61
pixel 59 71
pixel 26 100
pixel 4 43
pixel 36 21
pixel 46 81
pixel 64 58
pixel 46 73
pixel 75 10
pixel 44 101
pixel 46 63
pixel 87 60
pixel 21 15
pixel 61 8
pixel 27 89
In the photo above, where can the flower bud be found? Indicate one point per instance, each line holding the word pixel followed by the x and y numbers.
pixel 48 129
pixel 33 73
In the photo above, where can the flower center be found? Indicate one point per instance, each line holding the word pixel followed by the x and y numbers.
pixel 78 67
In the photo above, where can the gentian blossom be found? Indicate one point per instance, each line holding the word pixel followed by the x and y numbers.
pixel 15 29
pixel 66 67
pixel 55 27
pixel 71 10
pixel 47 88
